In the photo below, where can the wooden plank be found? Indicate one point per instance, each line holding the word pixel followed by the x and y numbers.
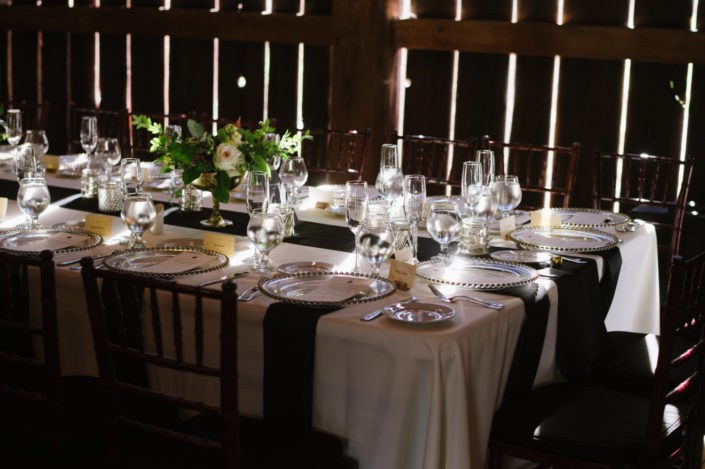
pixel 3 64
pixel 246 60
pixel 427 106
pixel 282 85
pixel 55 89
pixel 196 24
pixel 316 87
pixel 24 66
pixel 571 40
pixel 113 78
pixel 81 69
pixel 319 7
pixel 486 10
pixel 433 8
pixel 147 67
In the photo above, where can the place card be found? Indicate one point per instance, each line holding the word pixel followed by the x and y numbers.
pixel 99 224
pixel 3 207
pixel 403 254
pixel 51 162
pixel 402 274
pixel 506 226
pixel 181 262
pixel 320 204
pixel 60 240
pixel 545 218
pixel 222 243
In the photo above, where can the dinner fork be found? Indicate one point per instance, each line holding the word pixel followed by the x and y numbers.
pixel 471 299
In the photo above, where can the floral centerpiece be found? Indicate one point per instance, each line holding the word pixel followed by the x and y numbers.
pixel 218 163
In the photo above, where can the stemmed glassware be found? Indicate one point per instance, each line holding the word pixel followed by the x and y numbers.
pixel 13 127
pixel 471 185
pixel 507 192
pixel 375 242
pixel 33 199
pixel 293 174
pixel 27 163
pixel 108 150
pixel 89 133
pixel 390 180
pixel 257 191
pixel 414 207
pixel 39 139
pixel 356 207
pixel 443 224
pixel 266 231
pixel 276 161
pixel 131 176
pixel 486 160
pixel 138 214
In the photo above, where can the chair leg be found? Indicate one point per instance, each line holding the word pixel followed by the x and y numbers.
pixel 495 458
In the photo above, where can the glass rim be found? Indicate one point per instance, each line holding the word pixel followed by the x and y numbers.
pixel 134 195
pixel 34 179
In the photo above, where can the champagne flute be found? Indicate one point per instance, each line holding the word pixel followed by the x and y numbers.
pixel 257 191
pixel 265 230
pixel 471 185
pixel 356 206
pixel 13 126
pixel 293 174
pixel 33 199
pixel 390 180
pixel 138 214
pixel 39 139
pixel 443 224
pixel 414 207
pixel 375 242
pixel 89 133
pixel 486 159
pixel 507 192
pixel 275 162
pixel 27 164
pixel 131 176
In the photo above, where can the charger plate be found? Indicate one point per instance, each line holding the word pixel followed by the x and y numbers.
pixel 588 218
pixel 19 241
pixel 305 266
pixel 138 260
pixel 476 273
pixel 563 239
pixel 326 289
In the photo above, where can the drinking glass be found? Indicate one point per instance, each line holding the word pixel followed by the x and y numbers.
pixel 39 139
pixel 89 133
pixel 108 150
pixel 356 206
pixel 414 207
pixel 273 138
pixel 138 214
pixel 293 174
pixel 173 132
pixel 131 176
pixel 486 160
pixel 33 199
pixel 13 126
pixel 486 205
pixel 375 242
pixel 257 192
pixel 471 184
pixel 390 180
pixel 265 231
pixel 507 192
pixel 27 163
pixel 443 224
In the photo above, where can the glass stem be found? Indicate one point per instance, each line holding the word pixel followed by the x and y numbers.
pixel 414 243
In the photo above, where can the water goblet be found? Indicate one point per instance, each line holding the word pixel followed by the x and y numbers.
pixel 266 231
pixel 486 205
pixel 89 133
pixel 39 139
pixel 443 224
pixel 507 192
pixel 138 214
pixel 108 151
pixel 470 185
pixel 375 242
pixel 33 199
pixel 486 160
pixel 293 174
pixel 414 207
pixel 356 207
pixel 27 162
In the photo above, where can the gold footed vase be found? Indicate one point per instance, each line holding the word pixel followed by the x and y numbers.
pixel 206 182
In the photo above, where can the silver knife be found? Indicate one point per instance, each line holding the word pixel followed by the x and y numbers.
pixel 376 314
pixel 74 261
pixel 223 278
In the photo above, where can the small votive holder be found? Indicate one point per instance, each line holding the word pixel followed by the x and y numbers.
pixel 287 214
pixel 89 183
pixel 401 228
pixel 191 199
pixel 110 196
pixel 474 238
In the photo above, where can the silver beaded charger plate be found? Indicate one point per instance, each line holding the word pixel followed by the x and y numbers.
pixel 326 289
pixel 30 242
pixel 305 266
pixel 419 313
pixel 521 256
pixel 588 218
pixel 555 239
pixel 137 261
pixel 476 274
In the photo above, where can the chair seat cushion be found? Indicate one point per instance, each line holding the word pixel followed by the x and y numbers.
pixel 592 423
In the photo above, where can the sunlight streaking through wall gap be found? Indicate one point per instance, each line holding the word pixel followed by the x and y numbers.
pixel 553 118
pixel 688 93
pixel 216 72
pixel 128 65
pixel 510 96
pixel 167 65
pixel 453 100
pixel 404 13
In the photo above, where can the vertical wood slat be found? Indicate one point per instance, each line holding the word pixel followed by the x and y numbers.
pixel 316 86
pixel 178 329
pixel 156 322
pixel 282 85
pixel 147 68
pixel 239 59
pixel 198 329
pixel 113 68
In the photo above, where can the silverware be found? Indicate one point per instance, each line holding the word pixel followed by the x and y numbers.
pixel 378 313
pixel 471 299
pixel 577 260
pixel 223 278
pixel 249 294
pixel 78 259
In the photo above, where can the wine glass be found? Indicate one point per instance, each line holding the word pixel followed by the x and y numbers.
pixel 507 192
pixel 173 132
pixel 486 160
pixel 39 139
pixel 471 184
pixel 13 127
pixel 138 214
pixel 33 199
pixel 414 207
pixel 356 206
pixel 443 224
pixel 486 205
pixel 257 192
pixel 27 163
pixel 293 174
pixel 375 242
pixel 390 180
pixel 89 133
pixel 266 231
pixel 108 150
pixel 131 176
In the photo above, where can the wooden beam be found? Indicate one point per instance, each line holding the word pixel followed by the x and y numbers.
pixel 197 24
pixel 662 45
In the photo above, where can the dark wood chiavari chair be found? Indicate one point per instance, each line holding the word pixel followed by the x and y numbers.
pixel 111 123
pixel 431 156
pixel 588 425
pixel 214 438
pixel 530 163
pixel 34 115
pixel 335 156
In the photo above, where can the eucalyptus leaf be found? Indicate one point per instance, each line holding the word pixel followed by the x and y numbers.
pixel 195 128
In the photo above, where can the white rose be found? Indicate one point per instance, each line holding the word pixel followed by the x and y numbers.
pixel 230 159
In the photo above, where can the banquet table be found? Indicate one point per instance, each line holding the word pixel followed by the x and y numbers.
pixel 401 396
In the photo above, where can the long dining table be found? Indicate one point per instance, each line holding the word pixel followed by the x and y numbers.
pixel 400 395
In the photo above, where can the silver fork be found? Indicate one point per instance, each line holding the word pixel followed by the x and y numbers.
pixel 471 299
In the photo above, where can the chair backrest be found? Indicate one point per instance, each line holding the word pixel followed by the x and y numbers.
pixel 679 380
pixel 111 123
pixel 34 115
pixel 121 336
pixel 335 156
pixel 649 188
pixel 537 177
pixel 33 377
pixel 431 156
pixel 140 139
